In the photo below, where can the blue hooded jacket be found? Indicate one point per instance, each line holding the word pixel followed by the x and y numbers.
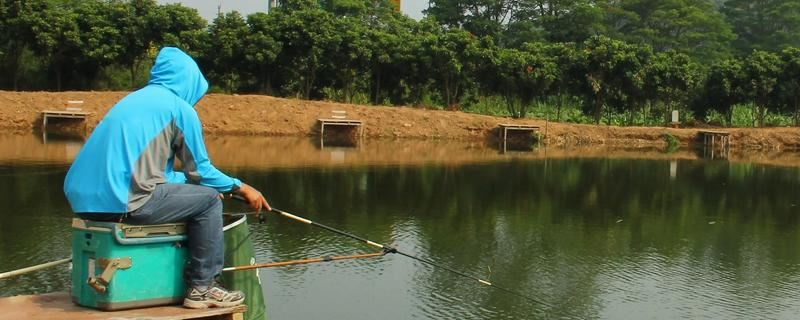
pixel 133 149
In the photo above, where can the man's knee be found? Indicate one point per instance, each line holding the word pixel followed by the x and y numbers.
pixel 213 197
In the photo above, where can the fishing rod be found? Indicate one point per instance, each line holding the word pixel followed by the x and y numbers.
pixel 22 271
pixel 388 249
pixel 304 261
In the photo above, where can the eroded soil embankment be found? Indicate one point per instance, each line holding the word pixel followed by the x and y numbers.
pixel 270 116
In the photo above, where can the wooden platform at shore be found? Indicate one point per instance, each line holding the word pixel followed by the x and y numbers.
pixel 340 122
pixel 71 114
pixel 58 305
pixel 712 138
pixel 505 128
pixel 63 114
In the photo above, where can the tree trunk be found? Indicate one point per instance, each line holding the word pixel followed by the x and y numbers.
pixel 16 61
pixel 58 76
pixel 446 91
pixel 510 104
pixel 378 88
pixel 729 115
pixel 558 107
pixel 133 74
pixel 630 116
pixel 796 111
pixel 598 109
pixel 668 109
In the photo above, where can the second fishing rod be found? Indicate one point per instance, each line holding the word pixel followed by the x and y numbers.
pixel 389 249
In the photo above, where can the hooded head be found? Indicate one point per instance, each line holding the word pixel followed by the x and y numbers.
pixel 178 72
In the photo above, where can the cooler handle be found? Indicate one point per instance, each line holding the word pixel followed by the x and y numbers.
pixel 126 241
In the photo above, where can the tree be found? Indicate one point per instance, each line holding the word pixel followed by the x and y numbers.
pixel 612 70
pixel 351 8
pixel 178 26
pixel 15 16
pixel 562 20
pixel 762 69
pixel 723 89
pixel 133 20
pixel 522 76
pixel 450 58
pixel 350 61
pixel 568 73
pixel 261 49
pixel 57 38
pixel 308 35
pixel 671 76
pixel 479 17
pixel 102 43
pixel 693 27
pixel 225 51
pixel 789 81
pixel 765 24
pixel 393 43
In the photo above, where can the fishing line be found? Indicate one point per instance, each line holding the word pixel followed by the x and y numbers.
pixel 388 249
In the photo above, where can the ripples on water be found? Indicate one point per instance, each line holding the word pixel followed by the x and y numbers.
pixel 589 238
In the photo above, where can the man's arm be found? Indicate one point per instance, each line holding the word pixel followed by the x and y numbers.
pixel 190 148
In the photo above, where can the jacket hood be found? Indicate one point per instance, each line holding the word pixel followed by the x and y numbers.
pixel 178 72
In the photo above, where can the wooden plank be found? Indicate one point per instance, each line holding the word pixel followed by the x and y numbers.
pixel 519 126
pixel 340 121
pixel 65 112
pixel 58 305
pixel 712 132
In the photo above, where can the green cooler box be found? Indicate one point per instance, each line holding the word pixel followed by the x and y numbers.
pixel 118 266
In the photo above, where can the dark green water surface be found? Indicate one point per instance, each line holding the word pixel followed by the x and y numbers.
pixel 587 238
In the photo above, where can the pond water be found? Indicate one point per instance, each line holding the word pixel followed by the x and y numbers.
pixel 600 237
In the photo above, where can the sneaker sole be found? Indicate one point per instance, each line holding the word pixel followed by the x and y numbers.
pixel 192 304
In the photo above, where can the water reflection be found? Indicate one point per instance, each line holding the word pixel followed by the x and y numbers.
pixel 591 238
pixel 66 138
pixel 298 152
pixel 597 237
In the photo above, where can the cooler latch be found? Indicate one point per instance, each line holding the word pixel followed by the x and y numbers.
pixel 109 266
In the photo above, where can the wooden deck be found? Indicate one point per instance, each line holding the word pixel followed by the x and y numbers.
pixel 59 306
pixel 505 128
pixel 356 124
pixel 63 114
pixel 714 141
pixel 712 138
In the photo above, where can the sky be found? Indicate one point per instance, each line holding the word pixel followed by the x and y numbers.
pixel 208 8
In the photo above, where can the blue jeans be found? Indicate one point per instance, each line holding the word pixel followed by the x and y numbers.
pixel 201 209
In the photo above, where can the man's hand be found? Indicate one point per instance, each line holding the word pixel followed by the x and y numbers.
pixel 254 199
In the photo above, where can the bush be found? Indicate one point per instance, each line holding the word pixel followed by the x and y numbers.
pixel 672 143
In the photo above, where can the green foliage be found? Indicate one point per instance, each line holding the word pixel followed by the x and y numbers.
pixel 672 142
pixel 614 73
pixel 789 83
pixel 566 21
pixel 478 17
pixel 308 36
pixel 692 27
pixel 177 26
pixel 671 78
pixel 768 25
pixel 743 116
pixel 762 69
pixel 522 76
pixel 225 50
pixel 491 105
pixel 628 62
pixel 261 51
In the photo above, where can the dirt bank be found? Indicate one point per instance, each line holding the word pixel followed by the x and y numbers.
pixel 270 116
